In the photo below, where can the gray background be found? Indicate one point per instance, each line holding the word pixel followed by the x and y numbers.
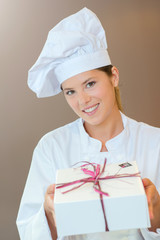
pixel 133 35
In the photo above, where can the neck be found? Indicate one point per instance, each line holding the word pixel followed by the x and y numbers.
pixel 108 129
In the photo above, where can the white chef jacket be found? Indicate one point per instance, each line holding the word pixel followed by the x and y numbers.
pixel 69 144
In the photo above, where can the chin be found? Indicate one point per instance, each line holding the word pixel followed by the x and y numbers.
pixel 93 122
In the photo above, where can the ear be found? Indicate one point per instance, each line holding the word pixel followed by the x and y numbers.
pixel 115 76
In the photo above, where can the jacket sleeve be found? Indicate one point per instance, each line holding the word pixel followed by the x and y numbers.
pixel 31 220
pixel 150 235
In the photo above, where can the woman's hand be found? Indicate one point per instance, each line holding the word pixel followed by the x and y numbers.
pixel 49 200
pixel 49 210
pixel 153 199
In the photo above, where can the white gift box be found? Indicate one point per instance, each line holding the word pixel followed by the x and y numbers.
pixel 80 211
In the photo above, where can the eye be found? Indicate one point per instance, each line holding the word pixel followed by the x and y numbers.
pixel 90 84
pixel 70 92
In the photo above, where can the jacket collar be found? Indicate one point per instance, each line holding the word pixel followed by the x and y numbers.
pixel 92 145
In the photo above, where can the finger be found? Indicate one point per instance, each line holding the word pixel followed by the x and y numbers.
pixel 146 182
pixel 150 193
pixel 150 207
pixel 51 189
pixel 149 189
pixel 50 196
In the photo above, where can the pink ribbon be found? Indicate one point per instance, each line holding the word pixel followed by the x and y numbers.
pixel 95 178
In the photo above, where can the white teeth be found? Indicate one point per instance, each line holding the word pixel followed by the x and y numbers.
pixel 91 109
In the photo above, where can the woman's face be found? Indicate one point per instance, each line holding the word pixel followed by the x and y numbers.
pixel 91 95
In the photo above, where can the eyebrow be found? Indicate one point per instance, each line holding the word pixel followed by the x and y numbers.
pixel 82 84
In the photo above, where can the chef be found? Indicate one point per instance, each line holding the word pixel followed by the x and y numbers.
pixel 75 60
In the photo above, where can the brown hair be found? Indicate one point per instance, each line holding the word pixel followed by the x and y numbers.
pixel 108 71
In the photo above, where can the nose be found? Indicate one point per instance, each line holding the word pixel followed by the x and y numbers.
pixel 83 98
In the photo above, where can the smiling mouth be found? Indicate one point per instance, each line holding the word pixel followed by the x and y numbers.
pixel 89 110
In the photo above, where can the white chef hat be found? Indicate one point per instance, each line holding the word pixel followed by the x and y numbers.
pixel 75 45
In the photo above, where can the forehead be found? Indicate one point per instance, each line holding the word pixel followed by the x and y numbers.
pixel 82 78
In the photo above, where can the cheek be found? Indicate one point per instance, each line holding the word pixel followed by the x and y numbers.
pixel 107 94
pixel 100 93
pixel 97 93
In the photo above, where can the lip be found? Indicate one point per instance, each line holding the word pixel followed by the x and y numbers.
pixel 90 107
pixel 93 112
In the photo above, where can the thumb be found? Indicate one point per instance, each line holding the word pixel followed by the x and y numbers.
pixel 51 189
pixel 146 182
